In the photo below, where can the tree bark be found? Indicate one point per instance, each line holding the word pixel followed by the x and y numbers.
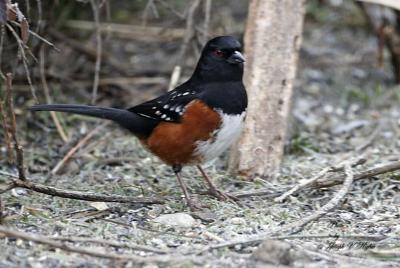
pixel 272 40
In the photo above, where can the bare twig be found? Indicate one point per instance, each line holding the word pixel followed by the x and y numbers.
pixel 334 202
pixel 7 138
pixel 13 129
pixel 320 175
pixel 261 237
pixel 71 152
pixel 302 184
pixel 95 9
pixel 21 46
pixel 324 183
pixel 150 6
pixel 358 176
pixel 41 38
pixel 86 196
pixel 53 115
pixel 86 251
pixel 111 243
pixel 295 227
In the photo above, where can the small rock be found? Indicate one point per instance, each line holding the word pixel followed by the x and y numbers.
pixel 177 219
pixel 100 206
pixel 238 221
pixel 279 253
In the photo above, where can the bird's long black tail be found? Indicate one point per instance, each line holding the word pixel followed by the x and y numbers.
pixel 125 118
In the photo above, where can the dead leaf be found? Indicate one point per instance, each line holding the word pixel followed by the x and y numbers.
pixel 15 14
pixel 11 12
pixel 24 31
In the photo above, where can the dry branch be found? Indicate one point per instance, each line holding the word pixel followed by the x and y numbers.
pixel 302 184
pixel 261 237
pixel 21 46
pixel 7 135
pixel 86 251
pixel 86 196
pixel 297 226
pixel 358 176
pixel 334 202
pixel 111 243
pixel 319 176
pixel 13 128
pixel 41 38
pixel 53 115
pixel 325 183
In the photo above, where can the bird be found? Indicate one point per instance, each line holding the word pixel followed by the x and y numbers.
pixel 191 124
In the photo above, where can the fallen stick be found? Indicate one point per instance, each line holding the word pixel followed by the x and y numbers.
pixel 334 202
pixel 319 176
pixel 358 176
pixel 86 196
pixel 261 237
pixel 87 251
pixel 302 184
pixel 110 243
pixel 297 226
pixel 13 128
pixel 325 183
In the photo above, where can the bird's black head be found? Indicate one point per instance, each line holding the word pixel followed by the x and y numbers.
pixel 221 60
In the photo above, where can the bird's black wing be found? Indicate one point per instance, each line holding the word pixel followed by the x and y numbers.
pixel 168 107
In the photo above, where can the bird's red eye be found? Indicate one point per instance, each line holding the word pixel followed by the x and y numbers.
pixel 219 53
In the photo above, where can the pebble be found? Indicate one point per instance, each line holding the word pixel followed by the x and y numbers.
pixel 177 219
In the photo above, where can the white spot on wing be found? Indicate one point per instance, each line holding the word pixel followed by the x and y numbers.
pixel 223 137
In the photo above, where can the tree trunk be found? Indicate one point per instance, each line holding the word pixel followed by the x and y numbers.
pixel 272 40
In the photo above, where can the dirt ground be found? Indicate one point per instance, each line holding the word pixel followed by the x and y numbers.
pixel 344 107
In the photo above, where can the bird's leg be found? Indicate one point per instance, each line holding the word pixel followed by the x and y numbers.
pixel 212 189
pixel 177 170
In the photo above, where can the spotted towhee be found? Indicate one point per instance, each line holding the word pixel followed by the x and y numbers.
pixel 195 122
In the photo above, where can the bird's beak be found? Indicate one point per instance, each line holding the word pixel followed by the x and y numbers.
pixel 236 57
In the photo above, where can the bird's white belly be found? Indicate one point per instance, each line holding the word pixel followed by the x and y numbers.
pixel 222 138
